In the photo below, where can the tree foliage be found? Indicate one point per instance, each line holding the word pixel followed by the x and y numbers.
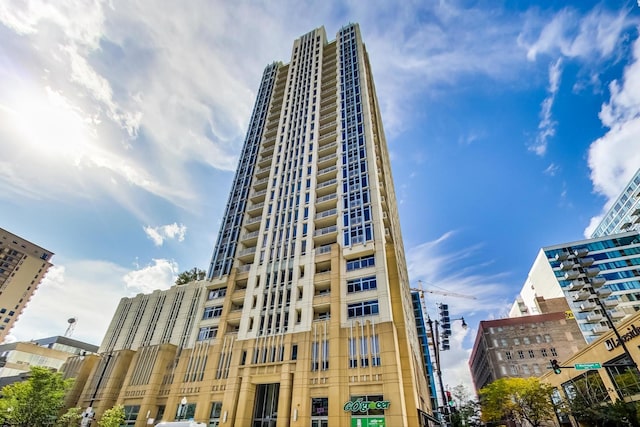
pixel 190 276
pixel 466 411
pixel 36 401
pixel 113 417
pixel 518 399
pixel 71 418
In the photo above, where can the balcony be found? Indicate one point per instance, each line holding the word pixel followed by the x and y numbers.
pixel 570 275
pixel 261 183
pixel 255 208
pixel 327 160
pixel 265 160
pixel 322 298
pixel 567 265
pixel 258 196
pixel 235 315
pixel 323 250
pixel 329 111
pixel 324 231
pixel 329 136
pixel 594 318
pixel 581 296
pixel 267 151
pixel 598 282
pixel 247 254
pixel 581 252
pixel 249 239
pixel 617 314
pixel 253 223
pixel 326 171
pixel 244 269
pixel 328 114
pixel 600 329
pixel 587 306
pixel 326 187
pixel 327 201
pixel 263 172
pixel 325 218
pixel 603 293
pixel 237 297
pixel 610 303
pixel 561 256
pixel 328 127
pixel 591 271
pixel 586 262
pixel 576 285
pixel 271 132
pixel 323 150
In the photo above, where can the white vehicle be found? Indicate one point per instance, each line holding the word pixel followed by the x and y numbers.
pixel 180 424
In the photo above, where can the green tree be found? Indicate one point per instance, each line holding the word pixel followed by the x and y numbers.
pixel 36 401
pixel 466 411
pixel 190 276
pixel 518 399
pixel 113 417
pixel 71 418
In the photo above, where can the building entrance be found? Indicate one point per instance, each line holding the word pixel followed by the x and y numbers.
pixel 265 409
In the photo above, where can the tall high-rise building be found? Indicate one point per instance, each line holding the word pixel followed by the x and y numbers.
pixel 306 316
pixel 22 267
pixel 624 214
pixel 611 269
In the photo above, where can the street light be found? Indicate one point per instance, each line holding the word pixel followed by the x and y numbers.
pixel 587 282
pixel 435 340
pixel 183 408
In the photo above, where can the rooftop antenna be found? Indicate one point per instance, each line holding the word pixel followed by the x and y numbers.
pixel 72 326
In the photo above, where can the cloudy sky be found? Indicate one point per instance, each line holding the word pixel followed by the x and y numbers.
pixel 511 127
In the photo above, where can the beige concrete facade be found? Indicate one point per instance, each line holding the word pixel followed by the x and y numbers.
pixel 606 352
pixel 22 267
pixel 307 304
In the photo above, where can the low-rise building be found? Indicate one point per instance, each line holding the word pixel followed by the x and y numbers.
pixel 17 358
pixel 600 372
pixel 522 346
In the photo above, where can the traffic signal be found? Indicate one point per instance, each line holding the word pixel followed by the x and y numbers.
pixel 445 320
pixel 449 399
pixel 555 366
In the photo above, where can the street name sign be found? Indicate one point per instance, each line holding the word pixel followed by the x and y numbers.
pixel 588 365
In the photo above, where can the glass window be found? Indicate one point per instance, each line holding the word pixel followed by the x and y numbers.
pixel 624 376
pixel 319 407
pixel 207 333
pixel 364 262
pixel 216 411
pixel 364 308
pixel 212 312
pixel 361 284
pixel 131 414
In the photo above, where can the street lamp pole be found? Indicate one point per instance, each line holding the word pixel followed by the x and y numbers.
pixel 435 334
pixel 436 350
pixel 591 279
pixel 183 408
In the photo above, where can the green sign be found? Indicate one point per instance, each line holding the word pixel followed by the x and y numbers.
pixel 361 405
pixel 593 365
pixel 367 422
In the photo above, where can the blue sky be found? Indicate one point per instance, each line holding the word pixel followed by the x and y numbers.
pixel 511 127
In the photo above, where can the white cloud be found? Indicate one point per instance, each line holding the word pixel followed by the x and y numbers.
pixel 87 290
pixel 457 272
pixel 568 33
pixel 551 170
pixel 159 275
pixel 547 126
pixel 169 231
pixel 615 157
